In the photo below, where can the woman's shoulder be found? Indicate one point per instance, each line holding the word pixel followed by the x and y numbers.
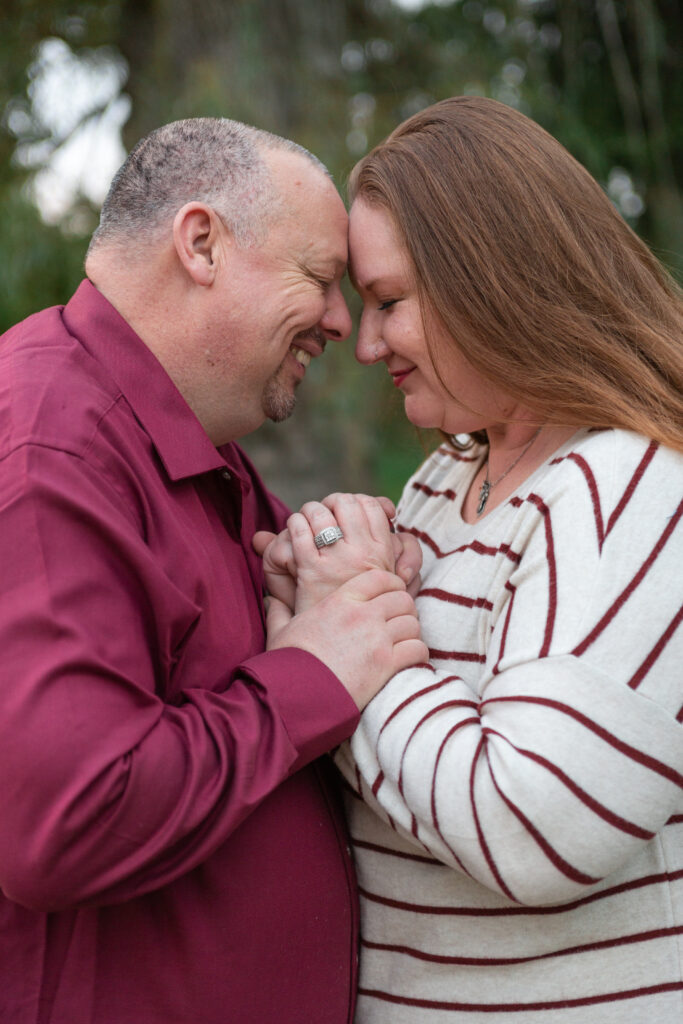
pixel 615 486
pixel 616 459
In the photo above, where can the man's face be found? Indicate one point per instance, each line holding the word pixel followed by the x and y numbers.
pixel 280 301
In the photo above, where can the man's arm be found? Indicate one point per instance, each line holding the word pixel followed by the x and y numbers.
pixel 109 790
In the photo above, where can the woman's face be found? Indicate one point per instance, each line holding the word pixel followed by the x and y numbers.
pixel 391 331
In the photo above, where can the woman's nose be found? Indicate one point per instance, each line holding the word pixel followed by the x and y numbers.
pixel 370 348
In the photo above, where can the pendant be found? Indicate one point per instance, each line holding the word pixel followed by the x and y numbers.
pixel 483 496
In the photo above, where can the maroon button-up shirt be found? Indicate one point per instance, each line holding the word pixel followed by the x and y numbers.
pixel 170 850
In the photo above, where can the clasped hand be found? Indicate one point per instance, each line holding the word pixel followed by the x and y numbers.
pixel 350 603
pixel 300 575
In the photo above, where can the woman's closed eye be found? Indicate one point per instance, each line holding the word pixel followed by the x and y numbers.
pixel 387 304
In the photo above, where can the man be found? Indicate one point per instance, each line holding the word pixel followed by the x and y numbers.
pixel 170 850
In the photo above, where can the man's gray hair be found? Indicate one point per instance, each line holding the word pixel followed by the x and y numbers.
pixel 206 159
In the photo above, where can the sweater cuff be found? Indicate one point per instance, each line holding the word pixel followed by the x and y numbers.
pixel 315 708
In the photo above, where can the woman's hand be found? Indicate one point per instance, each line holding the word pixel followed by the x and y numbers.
pixel 300 575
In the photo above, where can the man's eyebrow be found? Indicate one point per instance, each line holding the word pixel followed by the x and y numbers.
pixel 338 266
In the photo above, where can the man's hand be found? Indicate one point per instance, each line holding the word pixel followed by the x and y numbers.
pixel 279 566
pixel 365 632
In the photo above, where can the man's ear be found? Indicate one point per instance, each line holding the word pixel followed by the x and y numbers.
pixel 196 236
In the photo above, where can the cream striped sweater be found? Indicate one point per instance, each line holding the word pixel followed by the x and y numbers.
pixel 519 841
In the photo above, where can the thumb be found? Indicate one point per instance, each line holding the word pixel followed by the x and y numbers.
pixel 261 540
pixel 278 616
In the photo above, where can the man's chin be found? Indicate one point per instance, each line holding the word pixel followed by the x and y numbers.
pixel 278 404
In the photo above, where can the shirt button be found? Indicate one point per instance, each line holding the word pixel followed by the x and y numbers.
pixel 225 474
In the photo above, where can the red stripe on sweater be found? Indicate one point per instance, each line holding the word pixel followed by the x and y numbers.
pixel 434 652
pixel 401 854
pixel 638 676
pixel 500 961
pixel 633 483
pixel 476 546
pixel 420 693
pixel 610 997
pixel 512 590
pixel 664 878
pixel 435 817
pixel 425 718
pixel 593 490
pixel 480 832
pixel 426 489
pixel 418 725
pixel 555 858
pixel 536 500
pixel 632 586
pixel 636 755
pixel 552 572
pixel 602 812
pixel 458 456
pixel 460 599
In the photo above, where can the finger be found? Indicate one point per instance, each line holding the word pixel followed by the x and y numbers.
pixel 414 586
pixel 394 604
pixel 408 653
pixel 372 583
pixel 278 616
pixel 388 506
pixel 331 500
pixel 261 540
pixel 302 539
pixel 280 554
pixel 378 524
pixel 409 559
pixel 317 515
pixel 404 627
pixel 386 503
pixel 282 588
pixel 350 515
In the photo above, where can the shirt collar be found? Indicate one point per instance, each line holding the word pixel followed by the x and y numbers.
pixel 179 438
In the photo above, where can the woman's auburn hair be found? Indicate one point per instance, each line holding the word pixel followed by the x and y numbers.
pixel 535 276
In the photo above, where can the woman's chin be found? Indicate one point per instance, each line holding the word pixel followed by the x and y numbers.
pixel 420 417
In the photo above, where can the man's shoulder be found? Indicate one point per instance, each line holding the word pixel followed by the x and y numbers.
pixel 52 392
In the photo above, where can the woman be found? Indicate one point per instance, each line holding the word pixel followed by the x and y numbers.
pixel 516 804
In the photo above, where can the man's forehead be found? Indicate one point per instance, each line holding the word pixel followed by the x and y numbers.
pixel 313 217
pixel 291 169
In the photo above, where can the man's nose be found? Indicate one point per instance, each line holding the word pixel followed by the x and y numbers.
pixel 336 320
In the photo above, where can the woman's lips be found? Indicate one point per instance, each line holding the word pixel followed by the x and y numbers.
pixel 401 375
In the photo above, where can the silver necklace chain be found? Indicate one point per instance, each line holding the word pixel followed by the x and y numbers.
pixel 488 485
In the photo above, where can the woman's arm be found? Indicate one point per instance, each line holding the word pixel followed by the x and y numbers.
pixel 546 767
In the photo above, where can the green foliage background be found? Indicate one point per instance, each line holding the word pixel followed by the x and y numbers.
pixel 603 76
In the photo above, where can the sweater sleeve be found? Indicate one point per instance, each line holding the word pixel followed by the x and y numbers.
pixel 548 770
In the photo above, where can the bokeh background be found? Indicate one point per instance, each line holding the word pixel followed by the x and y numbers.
pixel 81 82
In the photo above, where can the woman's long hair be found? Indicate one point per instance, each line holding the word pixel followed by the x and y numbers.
pixel 534 274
